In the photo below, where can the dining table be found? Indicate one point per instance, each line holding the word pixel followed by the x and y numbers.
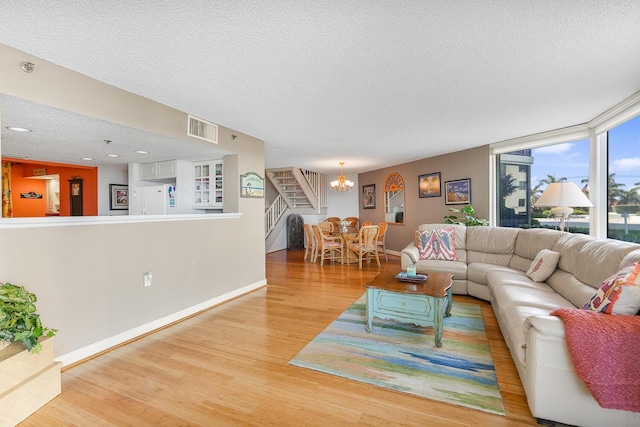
pixel 348 235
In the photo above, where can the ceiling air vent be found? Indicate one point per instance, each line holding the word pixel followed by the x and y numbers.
pixel 202 129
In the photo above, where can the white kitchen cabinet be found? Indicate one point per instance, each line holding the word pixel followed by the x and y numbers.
pixel 158 170
pixel 207 184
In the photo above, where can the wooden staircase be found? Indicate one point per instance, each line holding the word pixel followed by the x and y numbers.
pixel 299 190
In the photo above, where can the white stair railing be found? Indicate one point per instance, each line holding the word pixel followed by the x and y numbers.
pixel 273 214
pixel 318 183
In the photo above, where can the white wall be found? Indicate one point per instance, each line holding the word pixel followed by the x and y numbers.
pixel 88 277
pixel 106 176
pixel 343 205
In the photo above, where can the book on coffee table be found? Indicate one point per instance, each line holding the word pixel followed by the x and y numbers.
pixel 403 277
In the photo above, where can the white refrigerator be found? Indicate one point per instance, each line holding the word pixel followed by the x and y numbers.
pixel 153 200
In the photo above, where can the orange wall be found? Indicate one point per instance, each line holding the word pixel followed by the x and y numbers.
pixel 37 207
pixel 26 207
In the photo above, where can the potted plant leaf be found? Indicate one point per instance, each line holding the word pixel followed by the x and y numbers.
pixel 465 216
pixel 18 318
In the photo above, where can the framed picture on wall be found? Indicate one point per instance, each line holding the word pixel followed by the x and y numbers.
pixel 118 197
pixel 429 185
pixel 457 192
pixel 251 185
pixel 369 196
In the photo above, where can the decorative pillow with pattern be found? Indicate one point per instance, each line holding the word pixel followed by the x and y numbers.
pixel 543 265
pixel 619 294
pixel 438 243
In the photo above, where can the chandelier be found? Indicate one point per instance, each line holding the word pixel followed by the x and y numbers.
pixel 342 184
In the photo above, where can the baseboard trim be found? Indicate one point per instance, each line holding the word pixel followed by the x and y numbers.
pixel 92 350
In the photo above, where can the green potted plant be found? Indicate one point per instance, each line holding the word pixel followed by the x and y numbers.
pixel 465 216
pixel 18 318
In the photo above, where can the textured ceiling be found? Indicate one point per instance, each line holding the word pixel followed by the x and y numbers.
pixel 371 83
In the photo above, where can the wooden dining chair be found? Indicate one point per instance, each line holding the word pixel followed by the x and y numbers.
pixel 326 227
pixel 366 246
pixel 382 237
pixel 365 223
pixel 329 247
pixel 333 220
pixel 311 244
pixel 353 221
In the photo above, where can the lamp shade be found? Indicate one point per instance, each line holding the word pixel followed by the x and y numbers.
pixel 563 194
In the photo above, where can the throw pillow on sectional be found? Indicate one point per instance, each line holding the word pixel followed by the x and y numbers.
pixel 438 243
pixel 543 265
pixel 619 294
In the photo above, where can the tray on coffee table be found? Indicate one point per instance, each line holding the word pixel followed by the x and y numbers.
pixel 418 278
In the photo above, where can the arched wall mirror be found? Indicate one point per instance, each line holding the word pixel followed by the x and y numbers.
pixel 394 199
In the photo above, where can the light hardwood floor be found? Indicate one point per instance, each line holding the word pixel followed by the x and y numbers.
pixel 229 366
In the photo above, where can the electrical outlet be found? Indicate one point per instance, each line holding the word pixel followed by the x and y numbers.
pixel 147 279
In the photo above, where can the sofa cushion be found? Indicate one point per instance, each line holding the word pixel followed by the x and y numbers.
pixel 512 277
pixel 569 246
pixel 543 265
pixel 492 245
pixel 569 287
pixel 457 268
pixel 619 294
pixel 600 259
pixel 478 271
pixel 507 296
pixel 529 243
pixel 436 244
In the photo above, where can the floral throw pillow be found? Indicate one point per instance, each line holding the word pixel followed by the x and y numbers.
pixel 438 243
pixel 619 294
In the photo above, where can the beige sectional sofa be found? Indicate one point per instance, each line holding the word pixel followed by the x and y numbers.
pixel 492 265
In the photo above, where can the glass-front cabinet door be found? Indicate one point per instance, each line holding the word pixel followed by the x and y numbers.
pixel 207 184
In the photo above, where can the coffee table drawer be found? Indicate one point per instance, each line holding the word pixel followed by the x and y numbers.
pixel 413 304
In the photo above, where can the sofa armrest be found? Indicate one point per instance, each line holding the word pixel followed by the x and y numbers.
pixel 551 326
pixel 409 255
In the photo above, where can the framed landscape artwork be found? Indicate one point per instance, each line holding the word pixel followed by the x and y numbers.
pixel 369 196
pixel 429 185
pixel 457 192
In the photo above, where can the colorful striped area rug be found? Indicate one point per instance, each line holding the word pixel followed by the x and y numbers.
pixel 405 358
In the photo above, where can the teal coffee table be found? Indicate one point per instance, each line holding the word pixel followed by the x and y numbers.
pixel 423 304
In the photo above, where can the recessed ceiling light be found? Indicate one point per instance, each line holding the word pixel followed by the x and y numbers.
pixel 113 155
pixel 18 129
pixel 86 158
pixel 142 152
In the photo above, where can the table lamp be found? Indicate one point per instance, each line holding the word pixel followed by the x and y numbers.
pixel 562 195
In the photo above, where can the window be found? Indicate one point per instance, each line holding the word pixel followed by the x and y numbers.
pixel 523 176
pixel 601 156
pixel 623 187
pixel 514 179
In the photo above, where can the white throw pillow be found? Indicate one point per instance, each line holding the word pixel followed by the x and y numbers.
pixel 543 265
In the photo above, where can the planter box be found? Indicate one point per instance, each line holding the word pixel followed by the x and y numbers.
pixel 27 381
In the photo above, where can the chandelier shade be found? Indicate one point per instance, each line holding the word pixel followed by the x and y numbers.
pixel 342 184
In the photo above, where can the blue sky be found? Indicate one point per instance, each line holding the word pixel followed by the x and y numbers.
pixel 571 160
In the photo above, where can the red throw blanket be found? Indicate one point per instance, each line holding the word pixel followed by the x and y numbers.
pixel 605 350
